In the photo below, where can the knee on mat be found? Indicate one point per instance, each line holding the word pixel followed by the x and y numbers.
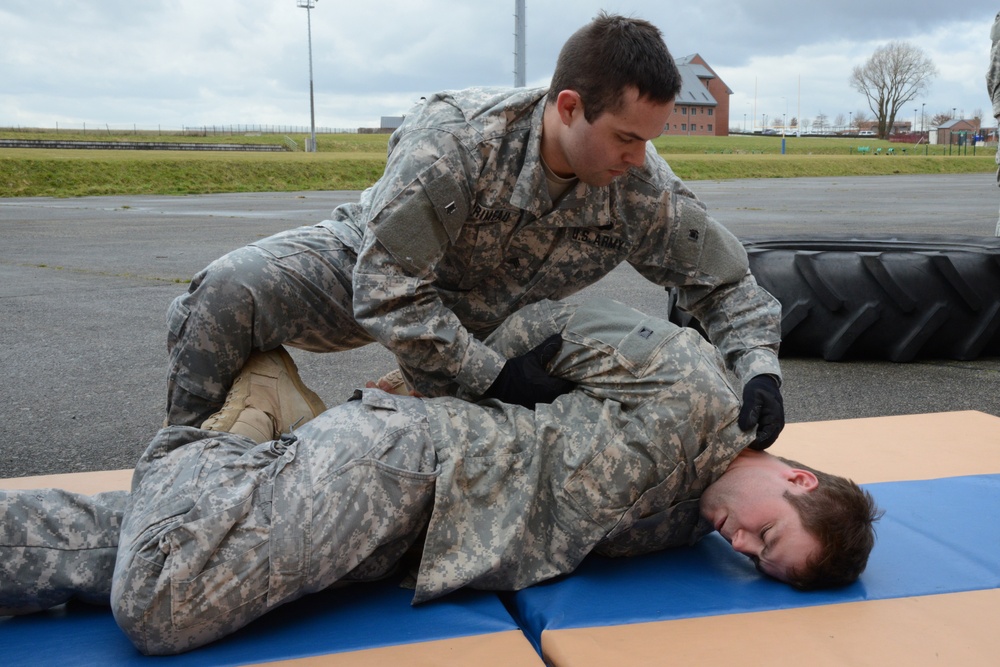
pixel 140 603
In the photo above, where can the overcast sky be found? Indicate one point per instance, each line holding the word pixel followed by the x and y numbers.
pixel 177 63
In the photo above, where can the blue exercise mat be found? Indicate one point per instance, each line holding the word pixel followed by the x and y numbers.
pixel 355 618
pixel 937 536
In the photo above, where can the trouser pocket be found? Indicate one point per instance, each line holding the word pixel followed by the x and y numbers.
pixel 366 516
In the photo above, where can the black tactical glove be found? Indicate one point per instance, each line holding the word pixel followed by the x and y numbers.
pixel 763 408
pixel 524 381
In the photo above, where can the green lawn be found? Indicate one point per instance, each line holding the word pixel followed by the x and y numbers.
pixel 355 161
pixel 771 145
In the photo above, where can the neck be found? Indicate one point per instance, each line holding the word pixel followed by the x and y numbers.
pixel 748 457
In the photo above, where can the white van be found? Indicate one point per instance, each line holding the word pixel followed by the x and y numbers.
pixel 866 133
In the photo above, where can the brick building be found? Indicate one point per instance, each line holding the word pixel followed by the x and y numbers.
pixel 956 131
pixel 702 107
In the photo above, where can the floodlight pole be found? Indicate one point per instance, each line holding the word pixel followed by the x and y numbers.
pixel 308 5
pixel 519 39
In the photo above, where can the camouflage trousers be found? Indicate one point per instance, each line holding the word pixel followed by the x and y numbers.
pixel 292 288
pixel 219 530
pixel 55 546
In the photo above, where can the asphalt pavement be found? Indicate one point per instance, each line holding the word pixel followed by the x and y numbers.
pixel 85 284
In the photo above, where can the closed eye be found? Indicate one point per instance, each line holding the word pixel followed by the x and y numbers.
pixel 630 138
pixel 763 539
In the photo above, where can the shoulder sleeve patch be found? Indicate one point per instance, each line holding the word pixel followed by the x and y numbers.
pixel 424 217
pixel 700 241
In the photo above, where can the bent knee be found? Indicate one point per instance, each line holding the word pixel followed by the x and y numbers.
pixel 237 274
pixel 162 614
pixel 147 612
pixel 140 603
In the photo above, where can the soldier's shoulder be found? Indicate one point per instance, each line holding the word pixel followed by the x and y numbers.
pixel 474 108
pixel 648 184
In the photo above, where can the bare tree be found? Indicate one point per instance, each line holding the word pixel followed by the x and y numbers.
pixel 839 121
pixel 820 122
pixel 940 118
pixel 895 74
pixel 977 116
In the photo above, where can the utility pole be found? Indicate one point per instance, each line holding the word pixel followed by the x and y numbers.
pixel 519 57
pixel 308 5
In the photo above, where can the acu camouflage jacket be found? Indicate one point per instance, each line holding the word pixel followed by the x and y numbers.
pixel 460 232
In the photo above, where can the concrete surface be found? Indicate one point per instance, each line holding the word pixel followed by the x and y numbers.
pixel 85 283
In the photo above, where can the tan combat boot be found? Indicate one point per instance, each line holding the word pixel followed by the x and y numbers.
pixel 393 383
pixel 267 399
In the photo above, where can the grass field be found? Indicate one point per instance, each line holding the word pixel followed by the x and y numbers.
pixel 355 161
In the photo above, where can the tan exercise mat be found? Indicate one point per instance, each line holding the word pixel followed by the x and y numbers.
pixel 80 482
pixel 893 449
pixel 958 629
pixel 501 649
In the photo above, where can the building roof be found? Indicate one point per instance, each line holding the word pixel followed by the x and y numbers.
pixel 693 90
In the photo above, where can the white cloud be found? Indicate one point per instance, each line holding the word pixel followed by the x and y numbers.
pixel 171 63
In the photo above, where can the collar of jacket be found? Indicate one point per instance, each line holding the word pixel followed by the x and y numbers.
pixel 583 206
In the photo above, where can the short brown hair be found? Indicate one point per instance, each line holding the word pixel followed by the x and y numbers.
pixel 612 53
pixel 841 515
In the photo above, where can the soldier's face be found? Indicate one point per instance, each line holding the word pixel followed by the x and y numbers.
pixel 748 506
pixel 601 151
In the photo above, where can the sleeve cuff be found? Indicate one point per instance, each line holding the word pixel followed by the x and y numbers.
pixel 758 362
pixel 480 367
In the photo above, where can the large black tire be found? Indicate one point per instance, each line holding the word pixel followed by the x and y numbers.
pixel 883 297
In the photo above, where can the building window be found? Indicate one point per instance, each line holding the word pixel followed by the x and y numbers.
pixel 684 127
pixel 709 127
pixel 710 111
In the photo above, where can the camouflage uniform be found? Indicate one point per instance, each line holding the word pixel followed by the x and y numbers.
pixel 993 86
pixel 459 233
pixel 220 530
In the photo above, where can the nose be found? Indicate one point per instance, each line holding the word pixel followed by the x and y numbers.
pixel 746 543
pixel 635 157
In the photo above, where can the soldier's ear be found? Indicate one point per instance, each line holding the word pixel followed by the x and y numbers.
pixel 803 479
pixel 569 105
